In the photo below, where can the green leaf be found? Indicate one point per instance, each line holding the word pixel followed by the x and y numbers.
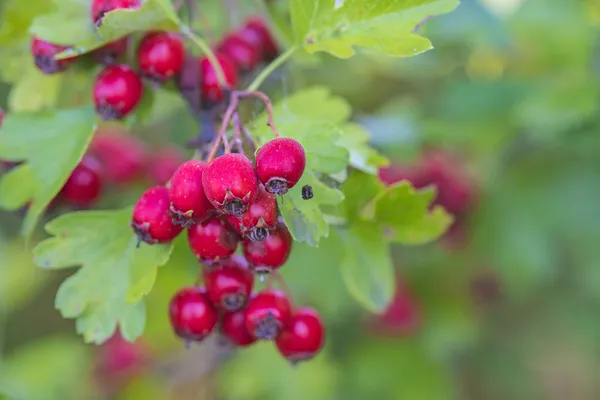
pixel 51 144
pixel 359 190
pixel 68 23
pixel 152 15
pixel 386 26
pixel 367 267
pixel 304 218
pixel 17 188
pixel 34 91
pixel 16 18
pixel 404 214
pixel 356 141
pixel 114 274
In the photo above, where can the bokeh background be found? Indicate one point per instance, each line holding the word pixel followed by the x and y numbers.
pixel 504 115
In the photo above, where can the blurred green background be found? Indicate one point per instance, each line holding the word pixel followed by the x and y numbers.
pixel 512 312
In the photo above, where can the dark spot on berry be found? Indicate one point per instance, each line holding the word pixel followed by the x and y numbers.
pixel 258 234
pixel 47 64
pixel 141 231
pixel 307 192
pixel 108 112
pixel 234 301
pixel 185 220
pixel 277 186
pixel 267 328
pixel 234 207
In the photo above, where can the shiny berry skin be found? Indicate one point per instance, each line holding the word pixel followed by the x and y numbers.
pixel 304 336
pixel 164 163
pixel 244 55
pixel 271 253
pixel 233 327
pixel 117 90
pixel 101 7
pixel 229 284
pixel 161 55
pixel 230 183
pixel 43 53
pixel 123 157
pixel 84 186
pixel 111 52
pixel 193 317
pixel 259 219
pixel 188 201
pixel 212 241
pixel 267 314
pixel 151 218
pixel 256 27
pixel 211 90
pixel 280 164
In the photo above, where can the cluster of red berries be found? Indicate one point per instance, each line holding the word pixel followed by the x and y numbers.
pixel 222 203
pixel 456 190
pixel 161 55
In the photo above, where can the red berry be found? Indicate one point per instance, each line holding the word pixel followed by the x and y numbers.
pixel 267 314
pixel 161 55
pixel 101 7
pixel 111 52
pixel 188 201
pixel 118 89
pixel 43 55
pixel 151 218
pixel 212 240
pixel 244 55
pixel 402 317
pixel 259 219
pixel 193 316
pixel 271 253
pixel 257 28
pixel 233 327
pixel 123 157
pixel 280 164
pixel 304 336
pixel 211 90
pixel 230 183
pixel 84 185
pixel 164 164
pixel 229 284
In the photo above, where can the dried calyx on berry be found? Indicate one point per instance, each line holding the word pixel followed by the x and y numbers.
pixel 43 53
pixel 151 219
pixel 230 183
pixel 267 314
pixel 229 284
pixel 280 164
pixel 270 254
pixel 259 219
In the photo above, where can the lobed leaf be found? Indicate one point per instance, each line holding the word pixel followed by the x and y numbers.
pixel 386 26
pixel 51 144
pixel 113 276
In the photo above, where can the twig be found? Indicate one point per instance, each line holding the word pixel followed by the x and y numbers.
pixel 237 133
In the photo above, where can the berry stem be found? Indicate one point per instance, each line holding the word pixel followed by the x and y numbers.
pixel 268 70
pixel 244 132
pixel 198 41
pixel 276 278
pixel 237 133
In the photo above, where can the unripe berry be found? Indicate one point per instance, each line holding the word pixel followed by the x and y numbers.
pixel 151 218
pixel 271 253
pixel 212 240
pixel 161 55
pixel 123 157
pixel 43 53
pixel 193 317
pixel 259 219
pixel 230 183
pixel 267 314
pixel 212 92
pixel 101 7
pixel 233 327
pixel 257 27
pixel 164 163
pixel 244 56
pixel 188 201
pixel 280 164
pixel 111 52
pixel 304 336
pixel 117 90
pixel 229 284
pixel 84 186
